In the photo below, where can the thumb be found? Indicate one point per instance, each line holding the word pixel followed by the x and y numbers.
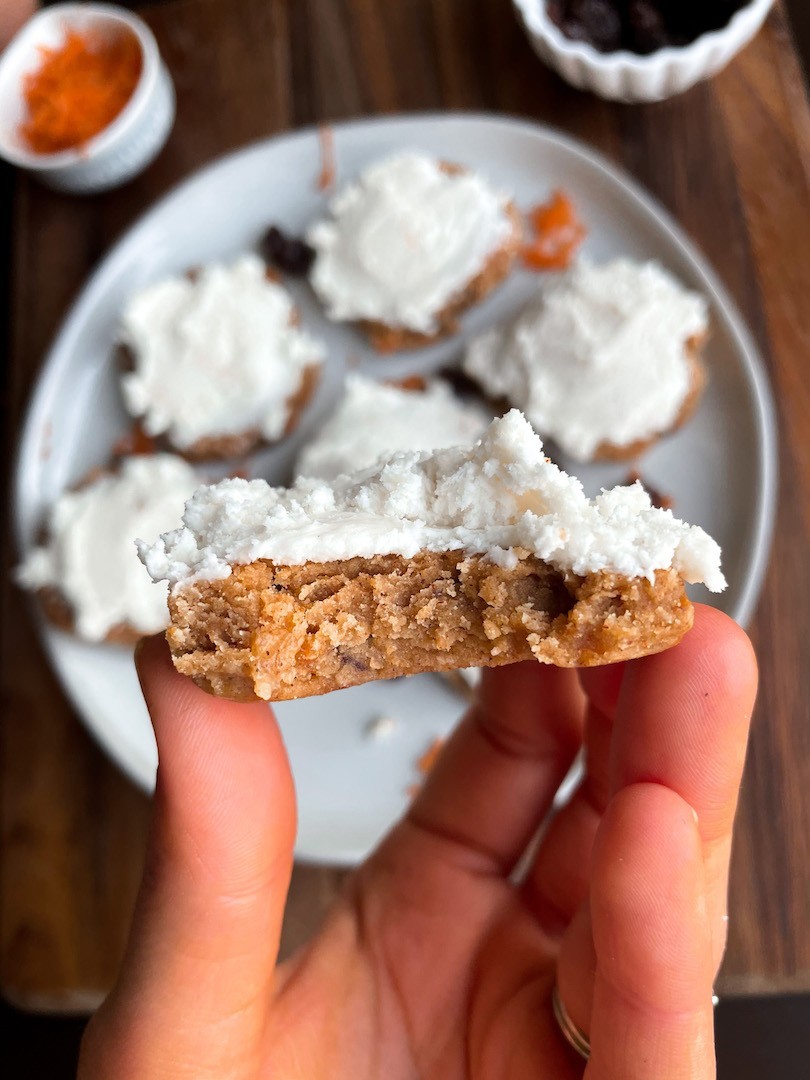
pixel 197 977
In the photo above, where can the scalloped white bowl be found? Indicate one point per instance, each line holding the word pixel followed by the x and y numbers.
pixel 125 146
pixel 629 77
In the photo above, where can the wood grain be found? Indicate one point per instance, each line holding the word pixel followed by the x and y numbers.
pixel 730 159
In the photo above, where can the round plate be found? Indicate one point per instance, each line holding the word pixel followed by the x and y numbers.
pixel 720 469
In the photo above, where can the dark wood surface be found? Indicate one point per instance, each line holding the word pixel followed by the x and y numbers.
pixel 730 159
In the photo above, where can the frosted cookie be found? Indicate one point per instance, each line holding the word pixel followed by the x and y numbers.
pixel 603 361
pixel 473 556
pixel 217 363
pixel 377 419
pixel 86 569
pixel 409 245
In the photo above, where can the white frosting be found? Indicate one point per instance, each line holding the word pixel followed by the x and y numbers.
pixel 403 240
pixel 499 495
pixel 598 356
pixel 214 356
pixel 89 555
pixel 375 420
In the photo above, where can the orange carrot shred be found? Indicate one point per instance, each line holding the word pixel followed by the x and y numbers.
pixel 136 441
pixel 78 89
pixel 558 234
pixel 430 756
pixel 326 177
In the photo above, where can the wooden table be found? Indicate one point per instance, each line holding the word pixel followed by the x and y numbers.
pixel 730 159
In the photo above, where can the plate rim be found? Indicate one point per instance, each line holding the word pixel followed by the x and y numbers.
pixel 748 354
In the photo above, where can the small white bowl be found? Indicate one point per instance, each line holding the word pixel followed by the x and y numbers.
pixel 626 76
pixel 122 149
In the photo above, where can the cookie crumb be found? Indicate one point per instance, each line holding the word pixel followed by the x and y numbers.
pixel 381 728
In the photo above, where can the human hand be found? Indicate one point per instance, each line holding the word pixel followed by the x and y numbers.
pixel 433 964
pixel 13 13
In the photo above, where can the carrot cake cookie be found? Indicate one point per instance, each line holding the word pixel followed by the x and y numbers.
pixel 409 245
pixel 86 569
pixel 377 419
pixel 216 362
pixel 603 361
pixel 471 556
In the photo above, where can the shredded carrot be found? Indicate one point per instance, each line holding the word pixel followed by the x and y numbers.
pixel 326 177
pixel 430 756
pixel 414 383
pixel 78 89
pixel 136 441
pixel 559 233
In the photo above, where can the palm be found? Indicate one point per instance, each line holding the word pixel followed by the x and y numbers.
pixel 449 998
pixel 435 963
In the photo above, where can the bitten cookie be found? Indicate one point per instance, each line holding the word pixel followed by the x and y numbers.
pixel 409 246
pixel 215 360
pixel 475 556
pixel 603 361
pixel 86 570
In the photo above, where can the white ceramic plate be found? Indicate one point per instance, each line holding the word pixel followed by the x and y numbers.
pixel 720 468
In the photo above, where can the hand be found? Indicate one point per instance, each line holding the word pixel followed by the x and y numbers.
pixel 13 13
pixel 432 964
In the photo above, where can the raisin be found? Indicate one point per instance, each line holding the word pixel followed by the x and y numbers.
pixel 596 21
pixel 644 26
pixel 648 30
pixel 575 31
pixel 287 253
pixel 556 11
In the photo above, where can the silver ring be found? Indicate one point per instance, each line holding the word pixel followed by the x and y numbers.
pixel 575 1038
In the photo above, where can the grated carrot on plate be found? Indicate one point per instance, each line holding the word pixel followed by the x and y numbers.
pixel 326 177
pixel 429 758
pixel 78 89
pixel 558 234
pixel 135 442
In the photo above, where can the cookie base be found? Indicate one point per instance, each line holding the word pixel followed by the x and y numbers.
pixel 283 632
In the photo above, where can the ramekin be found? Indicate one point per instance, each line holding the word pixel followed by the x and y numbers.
pixel 629 77
pixel 122 149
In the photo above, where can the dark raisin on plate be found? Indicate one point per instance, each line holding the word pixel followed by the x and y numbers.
pixel 289 254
